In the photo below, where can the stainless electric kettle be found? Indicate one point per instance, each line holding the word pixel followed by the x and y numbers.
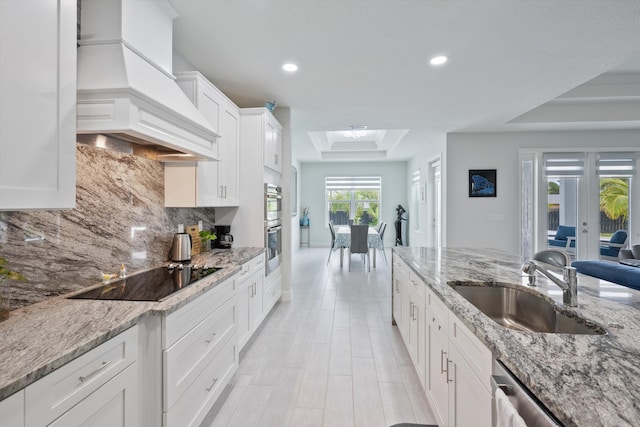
pixel 180 248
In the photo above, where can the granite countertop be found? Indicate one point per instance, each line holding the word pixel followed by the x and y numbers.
pixel 40 338
pixel 585 380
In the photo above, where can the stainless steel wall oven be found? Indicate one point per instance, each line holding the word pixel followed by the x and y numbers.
pixel 273 226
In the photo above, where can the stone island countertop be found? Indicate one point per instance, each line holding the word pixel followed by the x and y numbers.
pixel 42 337
pixel 585 380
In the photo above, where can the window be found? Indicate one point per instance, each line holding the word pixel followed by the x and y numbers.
pixel 353 198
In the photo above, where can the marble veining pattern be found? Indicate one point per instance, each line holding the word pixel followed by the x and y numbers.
pixel 585 380
pixel 119 218
pixel 40 338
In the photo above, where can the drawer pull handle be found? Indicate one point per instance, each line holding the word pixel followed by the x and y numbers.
pixel 210 339
pixel 215 380
pixel 448 379
pixel 86 377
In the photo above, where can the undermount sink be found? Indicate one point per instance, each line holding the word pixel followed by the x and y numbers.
pixel 523 311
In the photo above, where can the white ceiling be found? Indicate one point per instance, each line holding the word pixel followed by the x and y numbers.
pixel 365 62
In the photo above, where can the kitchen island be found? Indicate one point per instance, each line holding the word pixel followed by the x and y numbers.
pixel 42 337
pixel 584 380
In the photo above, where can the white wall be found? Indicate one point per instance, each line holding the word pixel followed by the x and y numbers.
pixel 311 185
pixel 429 149
pixel 495 222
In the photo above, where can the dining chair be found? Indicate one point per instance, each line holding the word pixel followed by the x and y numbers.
pixel 359 243
pixel 380 226
pixel 333 241
pixel 380 246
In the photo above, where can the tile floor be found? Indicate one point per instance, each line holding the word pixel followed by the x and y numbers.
pixel 328 358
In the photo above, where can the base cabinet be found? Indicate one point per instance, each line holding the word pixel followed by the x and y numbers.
pixel 452 364
pixel 115 404
pixel 99 388
pixel 12 410
pixel 250 294
pixel 199 354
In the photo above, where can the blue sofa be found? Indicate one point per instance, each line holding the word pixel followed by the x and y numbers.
pixel 624 275
pixel 565 237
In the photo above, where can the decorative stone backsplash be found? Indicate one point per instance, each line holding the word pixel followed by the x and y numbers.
pixel 119 218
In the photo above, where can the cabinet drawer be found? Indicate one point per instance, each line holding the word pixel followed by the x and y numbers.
pixel 474 352
pixel 56 393
pixel 251 267
pixel 198 399
pixel 178 323
pixel 184 361
pixel 272 293
pixel 114 404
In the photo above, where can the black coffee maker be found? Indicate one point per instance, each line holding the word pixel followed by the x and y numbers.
pixel 224 237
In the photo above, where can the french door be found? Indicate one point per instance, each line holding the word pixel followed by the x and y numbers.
pixel 577 201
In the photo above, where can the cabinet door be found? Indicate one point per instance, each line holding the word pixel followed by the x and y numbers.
pixel 245 290
pixel 255 300
pixel 469 400
pixel 417 335
pixel 438 382
pixel 12 410
pixel 273 146
pixel 397 301
pixel 112 405
pixel 228 166
pixel 37 104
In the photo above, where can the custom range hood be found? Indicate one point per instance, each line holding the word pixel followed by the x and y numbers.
pixel 126 88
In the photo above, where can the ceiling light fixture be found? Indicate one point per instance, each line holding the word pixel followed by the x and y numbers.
pixel 357 131
pixel 290 67
pixel 438 60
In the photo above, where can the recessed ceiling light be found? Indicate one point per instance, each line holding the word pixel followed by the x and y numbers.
pixel 438 60
pixel 290 67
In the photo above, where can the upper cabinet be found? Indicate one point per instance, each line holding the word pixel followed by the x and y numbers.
pixel 273 144
pixel 38 104
pixel 211 183
pixel 266 132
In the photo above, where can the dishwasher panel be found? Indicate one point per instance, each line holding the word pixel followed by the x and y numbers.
pixel 529 408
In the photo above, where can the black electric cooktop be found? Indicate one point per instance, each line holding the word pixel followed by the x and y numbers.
pixel 150 285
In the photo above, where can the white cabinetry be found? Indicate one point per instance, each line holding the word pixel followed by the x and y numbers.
pixel 273 144
pixel 12 410
pixel 460 370
pixel 399 294
pixel 99 388
pixel 38 105
pixel 272 291
pixel 210 183
pixel 250 294
pixel 267 132
pixel 452 363
pixel 199 355
pixel 417 327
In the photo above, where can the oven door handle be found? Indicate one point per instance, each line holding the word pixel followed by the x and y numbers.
pixel 274 229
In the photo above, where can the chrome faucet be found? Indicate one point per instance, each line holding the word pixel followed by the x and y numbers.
pixel 568 284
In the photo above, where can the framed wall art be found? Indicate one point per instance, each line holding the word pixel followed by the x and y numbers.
pixel 482 183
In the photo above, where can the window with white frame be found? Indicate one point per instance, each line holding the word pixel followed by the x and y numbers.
pixel 353 198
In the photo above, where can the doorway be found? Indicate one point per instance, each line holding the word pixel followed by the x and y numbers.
pixel 583 202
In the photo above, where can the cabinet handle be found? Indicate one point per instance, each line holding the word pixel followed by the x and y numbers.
pixel 210 339
pixel 442 353
pixel 215 380
pixel 275 158
pixel 86 377
pixel 448 379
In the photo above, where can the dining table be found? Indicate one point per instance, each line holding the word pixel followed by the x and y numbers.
pixel 343 240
